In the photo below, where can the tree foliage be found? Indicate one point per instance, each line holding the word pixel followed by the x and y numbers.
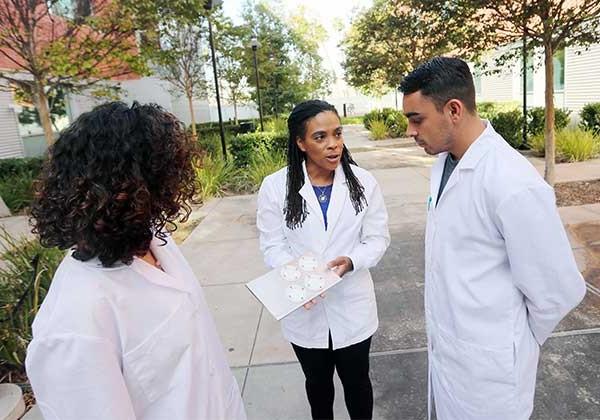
pixel 391 38
pixel 50 48
pixel 290 69
pixel 548 25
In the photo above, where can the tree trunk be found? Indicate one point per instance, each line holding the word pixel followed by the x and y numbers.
pixel 235 114
pixel 41 104
pixel 192 116
pixel 549 115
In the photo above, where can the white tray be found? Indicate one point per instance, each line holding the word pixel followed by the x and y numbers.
pixel 283 293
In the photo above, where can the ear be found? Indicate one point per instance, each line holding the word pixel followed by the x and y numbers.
pixel 456 109
pixel 300 144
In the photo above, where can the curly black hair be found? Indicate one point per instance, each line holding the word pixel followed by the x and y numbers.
pixel 115 178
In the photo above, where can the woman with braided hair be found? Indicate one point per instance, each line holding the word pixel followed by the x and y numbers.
pixel 322 203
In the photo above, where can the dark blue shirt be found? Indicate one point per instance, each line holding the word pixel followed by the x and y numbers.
pixel 323 196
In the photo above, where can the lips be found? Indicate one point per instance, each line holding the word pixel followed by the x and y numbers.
pixel 333 158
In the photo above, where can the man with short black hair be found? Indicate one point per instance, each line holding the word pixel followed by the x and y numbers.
pixel 499 270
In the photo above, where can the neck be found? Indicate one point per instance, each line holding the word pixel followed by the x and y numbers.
pixel 470 132
pixel 319 176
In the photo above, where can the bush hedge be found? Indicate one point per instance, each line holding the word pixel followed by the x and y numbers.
pixel 590 117
pixel 395 121
pixel 244 146
pixel 536 119
pixel 509 125
pixel 25 278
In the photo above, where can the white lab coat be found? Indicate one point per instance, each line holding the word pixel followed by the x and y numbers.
pixel 500 275
pixel 129 342
pixel 348 309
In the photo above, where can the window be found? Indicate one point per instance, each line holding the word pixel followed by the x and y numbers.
pixel 528 75
pixel 72 9
pixel 559 71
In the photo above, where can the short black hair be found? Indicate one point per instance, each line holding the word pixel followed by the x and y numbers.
pixel 115 178
pixel 442 79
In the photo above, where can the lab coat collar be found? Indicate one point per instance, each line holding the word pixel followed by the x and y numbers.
pixel 336 201
pixel 478 148
pixel 469 161
pixel 172 275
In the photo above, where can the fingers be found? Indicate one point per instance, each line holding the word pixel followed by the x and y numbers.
pixel 336 262
pixel 310 304
pixel 313 302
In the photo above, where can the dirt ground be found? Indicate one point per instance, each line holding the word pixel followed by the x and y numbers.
pixel 577 193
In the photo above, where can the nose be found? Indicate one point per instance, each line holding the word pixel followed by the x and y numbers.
pixel 411 132
pixel 333 142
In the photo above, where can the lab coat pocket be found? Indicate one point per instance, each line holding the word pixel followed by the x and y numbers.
pixel 156 366
pixel 481 380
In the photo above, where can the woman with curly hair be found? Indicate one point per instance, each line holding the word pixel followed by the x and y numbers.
pixel 124 331
pixel 322 203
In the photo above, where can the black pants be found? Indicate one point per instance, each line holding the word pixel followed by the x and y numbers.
pixel 352 365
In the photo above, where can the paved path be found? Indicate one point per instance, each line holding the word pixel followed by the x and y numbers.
pixel 224 253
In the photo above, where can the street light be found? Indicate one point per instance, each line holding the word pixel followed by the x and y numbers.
pixel 209 5
pixel 255 44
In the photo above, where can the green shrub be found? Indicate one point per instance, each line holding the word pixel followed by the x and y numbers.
pixel 17 191
pixel 394 120
pixel 17 166
pixel 590 117
pixel 488 110
pixel 379 130
pixel 230 127
pixel 16 181
pixel 536 119
pixel 211 144
pixel 509 125
pixel 213 176
pixel 276 125
pixel 352 120
pixel 572 145
pixel 25 278
pixel 263 163
pixel 537 143
pixel 244 146
pixel 575 145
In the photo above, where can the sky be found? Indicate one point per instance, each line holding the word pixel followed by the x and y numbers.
pixel 327 12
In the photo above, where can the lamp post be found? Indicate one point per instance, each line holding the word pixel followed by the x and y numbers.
pixel 255 44
pixel 209 5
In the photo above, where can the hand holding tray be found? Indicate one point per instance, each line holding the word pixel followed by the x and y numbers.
pixel 287 288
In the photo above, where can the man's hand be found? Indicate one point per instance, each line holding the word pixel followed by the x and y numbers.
pixel 341 265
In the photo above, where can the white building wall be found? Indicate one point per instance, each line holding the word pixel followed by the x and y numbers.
pixel 358 103
pixel 11 144
pixel 147 90
pixel 582 82
pixel 498 87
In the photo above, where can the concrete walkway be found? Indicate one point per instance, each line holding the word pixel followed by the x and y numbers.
pixel 224 253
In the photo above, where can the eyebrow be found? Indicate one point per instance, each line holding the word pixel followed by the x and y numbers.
pixel 411 114
pixel 338 128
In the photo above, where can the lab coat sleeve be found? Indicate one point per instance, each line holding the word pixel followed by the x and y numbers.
pixel 76 377
pixel 269 221
pixel 374 235
pixel 541 261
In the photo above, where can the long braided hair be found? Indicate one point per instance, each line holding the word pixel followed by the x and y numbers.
pixel 295 206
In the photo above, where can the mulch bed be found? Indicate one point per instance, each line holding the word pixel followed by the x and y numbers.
pixel 577 193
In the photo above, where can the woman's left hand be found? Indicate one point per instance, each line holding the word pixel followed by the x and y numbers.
pixel 341 265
